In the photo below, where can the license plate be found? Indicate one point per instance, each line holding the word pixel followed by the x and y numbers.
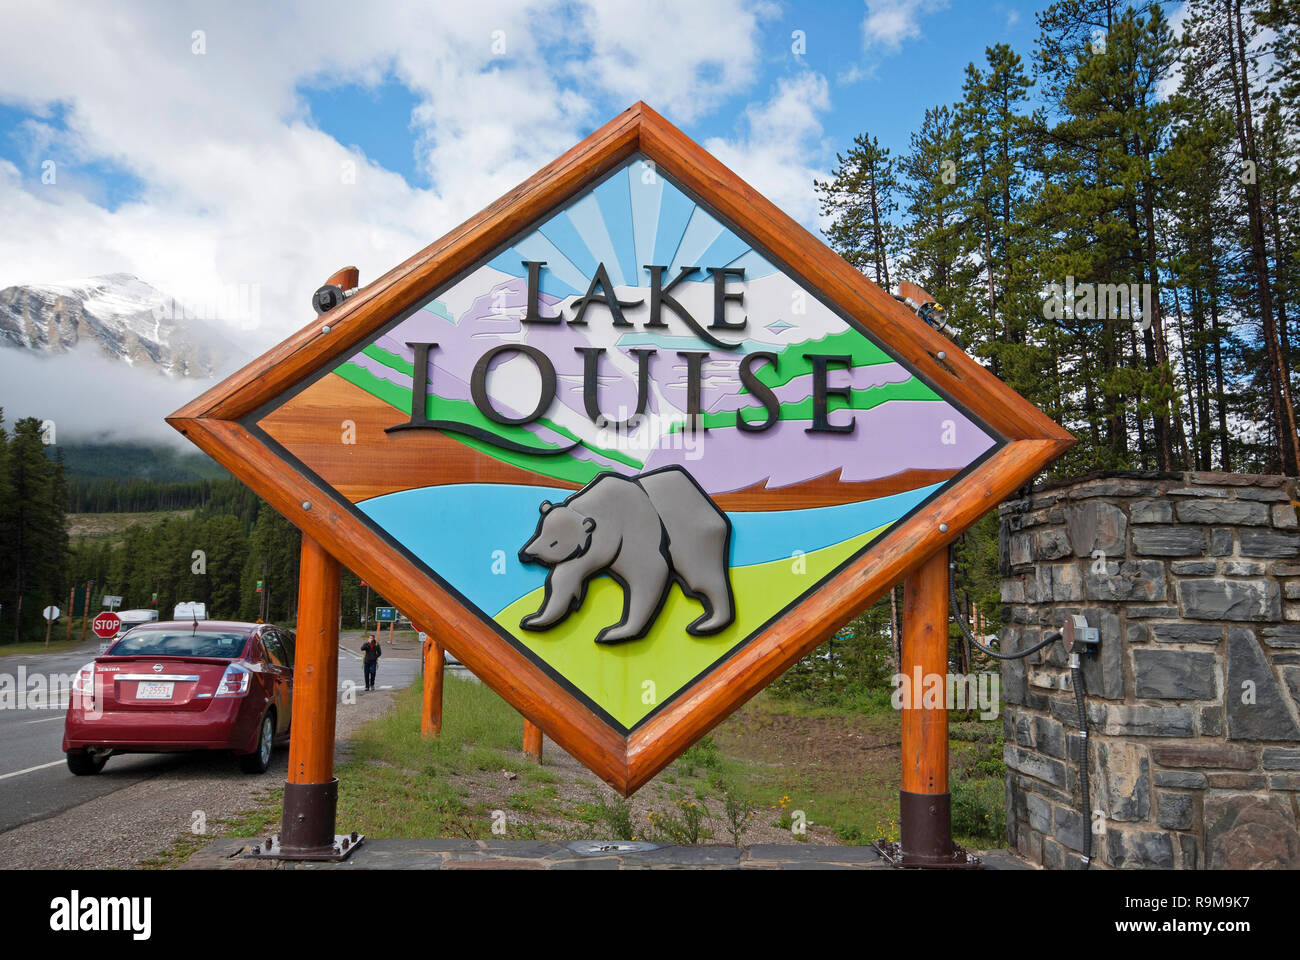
pixel 154 691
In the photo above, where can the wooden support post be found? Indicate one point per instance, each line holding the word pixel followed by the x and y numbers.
pixel 311 793
pixel 72 598
pixel 532 740
pixel 924 803
pixel 85 611
pixel 431 715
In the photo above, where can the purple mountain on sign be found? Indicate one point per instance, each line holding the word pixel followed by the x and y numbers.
pixel 903 434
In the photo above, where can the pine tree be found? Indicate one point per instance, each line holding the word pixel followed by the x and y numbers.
pixel 992 177
pixel 860 201
pixel 937 234
pixel 34 526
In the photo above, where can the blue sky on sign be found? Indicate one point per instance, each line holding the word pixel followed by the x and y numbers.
pixel 207 146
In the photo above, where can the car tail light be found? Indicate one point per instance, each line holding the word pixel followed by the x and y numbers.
pixel 234 682
pixel 84 682
pixel 83 686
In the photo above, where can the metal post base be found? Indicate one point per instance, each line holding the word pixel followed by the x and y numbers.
pixel 926 832
pixel 307 826
pixel 339 850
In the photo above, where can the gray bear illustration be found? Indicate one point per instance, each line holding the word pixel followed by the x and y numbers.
pixel 645 532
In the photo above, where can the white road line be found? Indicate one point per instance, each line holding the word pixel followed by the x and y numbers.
pixel 44 719
pixel 354 656
pixel 43 766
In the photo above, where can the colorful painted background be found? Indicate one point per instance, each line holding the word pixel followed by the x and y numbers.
pixel 800 504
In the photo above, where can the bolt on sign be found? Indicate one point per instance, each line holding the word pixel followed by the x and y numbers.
pixel 630 442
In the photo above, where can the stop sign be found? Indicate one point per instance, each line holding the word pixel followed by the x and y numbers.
pixel 106 625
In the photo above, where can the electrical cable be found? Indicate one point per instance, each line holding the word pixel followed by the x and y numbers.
pixel 970 638
pixel 1076 679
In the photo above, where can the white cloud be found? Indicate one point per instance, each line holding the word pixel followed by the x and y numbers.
pixel 890 22
pixel 780 144
pixel 855 74
pixel 237 187
pixel 638 48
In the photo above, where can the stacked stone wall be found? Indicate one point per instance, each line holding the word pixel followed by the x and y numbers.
pixel 1193 700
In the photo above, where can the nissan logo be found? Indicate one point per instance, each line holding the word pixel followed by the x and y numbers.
pixel 157 668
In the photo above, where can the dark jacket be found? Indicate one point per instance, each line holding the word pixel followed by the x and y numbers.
pixel 372 651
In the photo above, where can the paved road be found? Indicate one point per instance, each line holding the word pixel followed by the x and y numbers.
pixel 34 779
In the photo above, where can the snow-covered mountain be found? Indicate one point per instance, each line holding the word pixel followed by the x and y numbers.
pixel 123 316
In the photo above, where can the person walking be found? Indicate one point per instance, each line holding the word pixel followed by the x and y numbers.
pixel 373 652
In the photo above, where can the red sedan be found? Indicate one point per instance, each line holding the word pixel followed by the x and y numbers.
pixel 183 685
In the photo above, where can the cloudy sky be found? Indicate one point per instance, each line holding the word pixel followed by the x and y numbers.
pixel 205 146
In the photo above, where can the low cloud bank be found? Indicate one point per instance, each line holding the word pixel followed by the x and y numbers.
pixel 91 398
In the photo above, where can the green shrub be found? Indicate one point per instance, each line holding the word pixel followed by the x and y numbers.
pixel 616 817
pixel 682 823
pixel 739 812
pixel 978 810
pixel 702 753
pixel 982 761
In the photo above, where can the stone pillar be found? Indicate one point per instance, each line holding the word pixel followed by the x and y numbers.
pixel 1193 580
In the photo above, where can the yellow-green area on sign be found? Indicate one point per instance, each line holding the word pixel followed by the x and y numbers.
pixel 628 680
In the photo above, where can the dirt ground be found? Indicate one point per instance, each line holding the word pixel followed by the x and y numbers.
pixel 96 526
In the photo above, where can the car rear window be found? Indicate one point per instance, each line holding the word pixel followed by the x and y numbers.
pixel 180 643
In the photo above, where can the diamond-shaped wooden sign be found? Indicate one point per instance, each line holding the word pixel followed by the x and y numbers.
pixel 631 442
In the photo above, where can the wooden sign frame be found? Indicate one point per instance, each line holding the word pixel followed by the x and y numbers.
pixel 220 422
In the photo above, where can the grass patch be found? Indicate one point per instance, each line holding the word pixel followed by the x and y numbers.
pixel 395 782
pixel 538 801
pixel 57 642
pixel 871 703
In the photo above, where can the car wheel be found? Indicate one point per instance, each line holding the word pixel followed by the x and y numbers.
pixel 260 759
pixel 86 763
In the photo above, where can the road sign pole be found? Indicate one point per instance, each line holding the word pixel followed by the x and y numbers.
pixel 85 612
pixel 532 740
pixel 311 792
pixel 431 715
pixel 925 813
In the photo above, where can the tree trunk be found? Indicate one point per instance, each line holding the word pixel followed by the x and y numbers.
pixel 1279 390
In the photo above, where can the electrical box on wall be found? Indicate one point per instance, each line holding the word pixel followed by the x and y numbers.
pixel 1078 637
